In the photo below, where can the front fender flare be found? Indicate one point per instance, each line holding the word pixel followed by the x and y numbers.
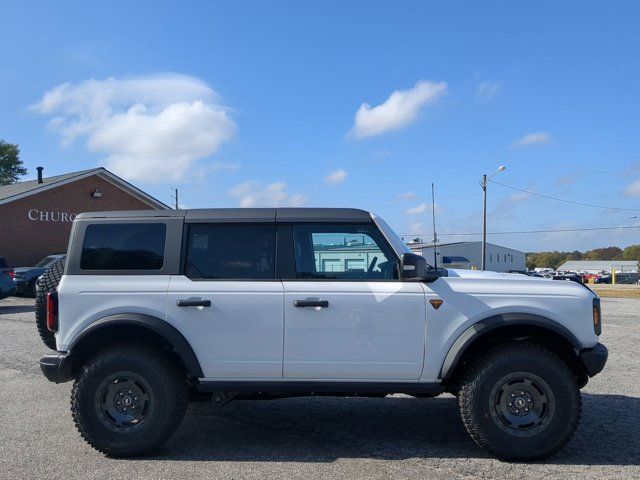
pixel 160 327
pixel 472 333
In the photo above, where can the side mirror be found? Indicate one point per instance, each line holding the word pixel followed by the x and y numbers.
pixel 413 266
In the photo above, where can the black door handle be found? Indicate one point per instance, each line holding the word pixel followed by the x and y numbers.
pixel 193 303
pixel 311 303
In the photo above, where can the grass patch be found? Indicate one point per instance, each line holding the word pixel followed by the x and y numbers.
pixel 617 291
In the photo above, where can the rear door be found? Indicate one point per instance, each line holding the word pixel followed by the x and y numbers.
pixel 228 302
pixel 347 315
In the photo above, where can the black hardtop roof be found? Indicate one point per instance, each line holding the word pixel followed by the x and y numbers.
pixel 241 215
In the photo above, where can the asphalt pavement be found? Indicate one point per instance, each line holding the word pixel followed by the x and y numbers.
pixel 394 437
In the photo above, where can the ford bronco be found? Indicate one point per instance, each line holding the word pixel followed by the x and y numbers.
pixel 154 308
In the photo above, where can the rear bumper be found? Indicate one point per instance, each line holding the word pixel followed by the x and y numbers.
pixel 594 359
pixel 21 286
pixel 57 367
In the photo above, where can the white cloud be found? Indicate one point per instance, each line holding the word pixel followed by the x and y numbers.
pixel 406 196
pixel 415 228
pixel 422 208
pixel 519 197
pixel 488 89
pixel 633 190
pixel 150 128
pixel 336 177
pixel 254 194
pixel 533 139
pixel 398 111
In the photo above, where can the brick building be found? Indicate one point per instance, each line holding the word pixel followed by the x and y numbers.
pixel 36 216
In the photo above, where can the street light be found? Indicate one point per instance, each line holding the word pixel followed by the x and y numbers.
pixel 483 184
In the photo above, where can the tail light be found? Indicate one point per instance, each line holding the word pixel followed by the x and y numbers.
pixel 11 273
pixel 52 311
pixel 597 316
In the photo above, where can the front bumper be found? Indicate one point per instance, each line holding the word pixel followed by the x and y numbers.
pixel 593 359
pixel 57 367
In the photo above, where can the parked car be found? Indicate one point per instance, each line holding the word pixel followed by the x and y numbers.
pixel 26 278
pixel 155 308
pixel 7 287
pixel 574 277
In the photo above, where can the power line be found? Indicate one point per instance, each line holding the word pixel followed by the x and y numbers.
pixel 525 231
pixel 564 200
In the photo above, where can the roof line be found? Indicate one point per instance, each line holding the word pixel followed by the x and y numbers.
pixel 84 174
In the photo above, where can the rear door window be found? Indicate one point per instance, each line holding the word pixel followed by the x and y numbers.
pixel 123 246
pixel 231 252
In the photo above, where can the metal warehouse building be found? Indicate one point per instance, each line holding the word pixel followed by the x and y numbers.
pixel 36 216
pixel 469 255
pixel 599 266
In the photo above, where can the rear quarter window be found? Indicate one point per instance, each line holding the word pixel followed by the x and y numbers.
pixel 123 246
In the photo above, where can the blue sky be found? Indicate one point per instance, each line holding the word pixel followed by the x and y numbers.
pixel 359 104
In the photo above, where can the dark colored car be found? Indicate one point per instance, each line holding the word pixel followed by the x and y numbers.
pixel 7 287
pixel 25 277
pixel 574 277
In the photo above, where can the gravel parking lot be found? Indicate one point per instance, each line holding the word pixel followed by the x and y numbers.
pixel 395 437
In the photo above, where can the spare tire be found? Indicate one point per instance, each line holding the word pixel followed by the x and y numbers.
pixel 48 283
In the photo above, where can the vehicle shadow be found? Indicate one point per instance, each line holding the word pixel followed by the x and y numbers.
pixel 9 309
pixel 324 429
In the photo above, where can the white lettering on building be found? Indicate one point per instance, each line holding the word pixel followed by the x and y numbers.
pixel 39 215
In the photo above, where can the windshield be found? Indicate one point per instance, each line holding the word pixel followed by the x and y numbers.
pixel 392 237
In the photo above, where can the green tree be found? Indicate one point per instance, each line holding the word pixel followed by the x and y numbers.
pixel 11 168
pixel 547 259
pixel 606 253
pixel 632 252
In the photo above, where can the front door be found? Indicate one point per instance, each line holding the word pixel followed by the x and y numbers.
pixel 228 303
pixel 347 314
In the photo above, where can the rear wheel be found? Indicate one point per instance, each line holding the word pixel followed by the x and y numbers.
pixel 520 402
pixel 128 400
pixel 48 283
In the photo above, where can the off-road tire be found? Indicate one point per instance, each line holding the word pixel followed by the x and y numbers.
pixel 167 402
pixel 481 415
pixel 48 283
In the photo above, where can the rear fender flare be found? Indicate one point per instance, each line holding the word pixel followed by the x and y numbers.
pixel 158 326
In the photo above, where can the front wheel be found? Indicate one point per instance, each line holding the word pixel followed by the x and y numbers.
pixel 127 400
pixel 520 402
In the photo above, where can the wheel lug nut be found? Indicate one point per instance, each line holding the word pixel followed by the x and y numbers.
pixel 118 402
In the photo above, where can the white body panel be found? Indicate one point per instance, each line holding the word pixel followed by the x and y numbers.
pixel 470 296
pixel 370 331
pixel 83 299
pixel 377 331
pixel 240 335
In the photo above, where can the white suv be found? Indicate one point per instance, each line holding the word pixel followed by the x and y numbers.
pixel 154 308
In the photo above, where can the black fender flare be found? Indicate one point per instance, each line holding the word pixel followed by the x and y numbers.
pixel 466 338
pixel 158 326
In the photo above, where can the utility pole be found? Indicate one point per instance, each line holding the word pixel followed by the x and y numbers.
pixel 175 196
pixel 435 236
pixel 483 184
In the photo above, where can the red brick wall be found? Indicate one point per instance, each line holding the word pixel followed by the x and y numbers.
pixel 24 241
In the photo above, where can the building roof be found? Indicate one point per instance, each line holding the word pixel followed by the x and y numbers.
pixel 424 245
pixel 576 265
pixel 15 191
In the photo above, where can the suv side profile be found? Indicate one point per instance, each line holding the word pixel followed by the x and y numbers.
pixel 156 308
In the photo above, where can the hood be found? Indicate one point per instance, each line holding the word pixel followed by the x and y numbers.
pixel 489 275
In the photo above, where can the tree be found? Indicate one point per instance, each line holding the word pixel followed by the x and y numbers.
pixel 11 168
pixel 632 252
pixel 550 260
pixel 606 253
